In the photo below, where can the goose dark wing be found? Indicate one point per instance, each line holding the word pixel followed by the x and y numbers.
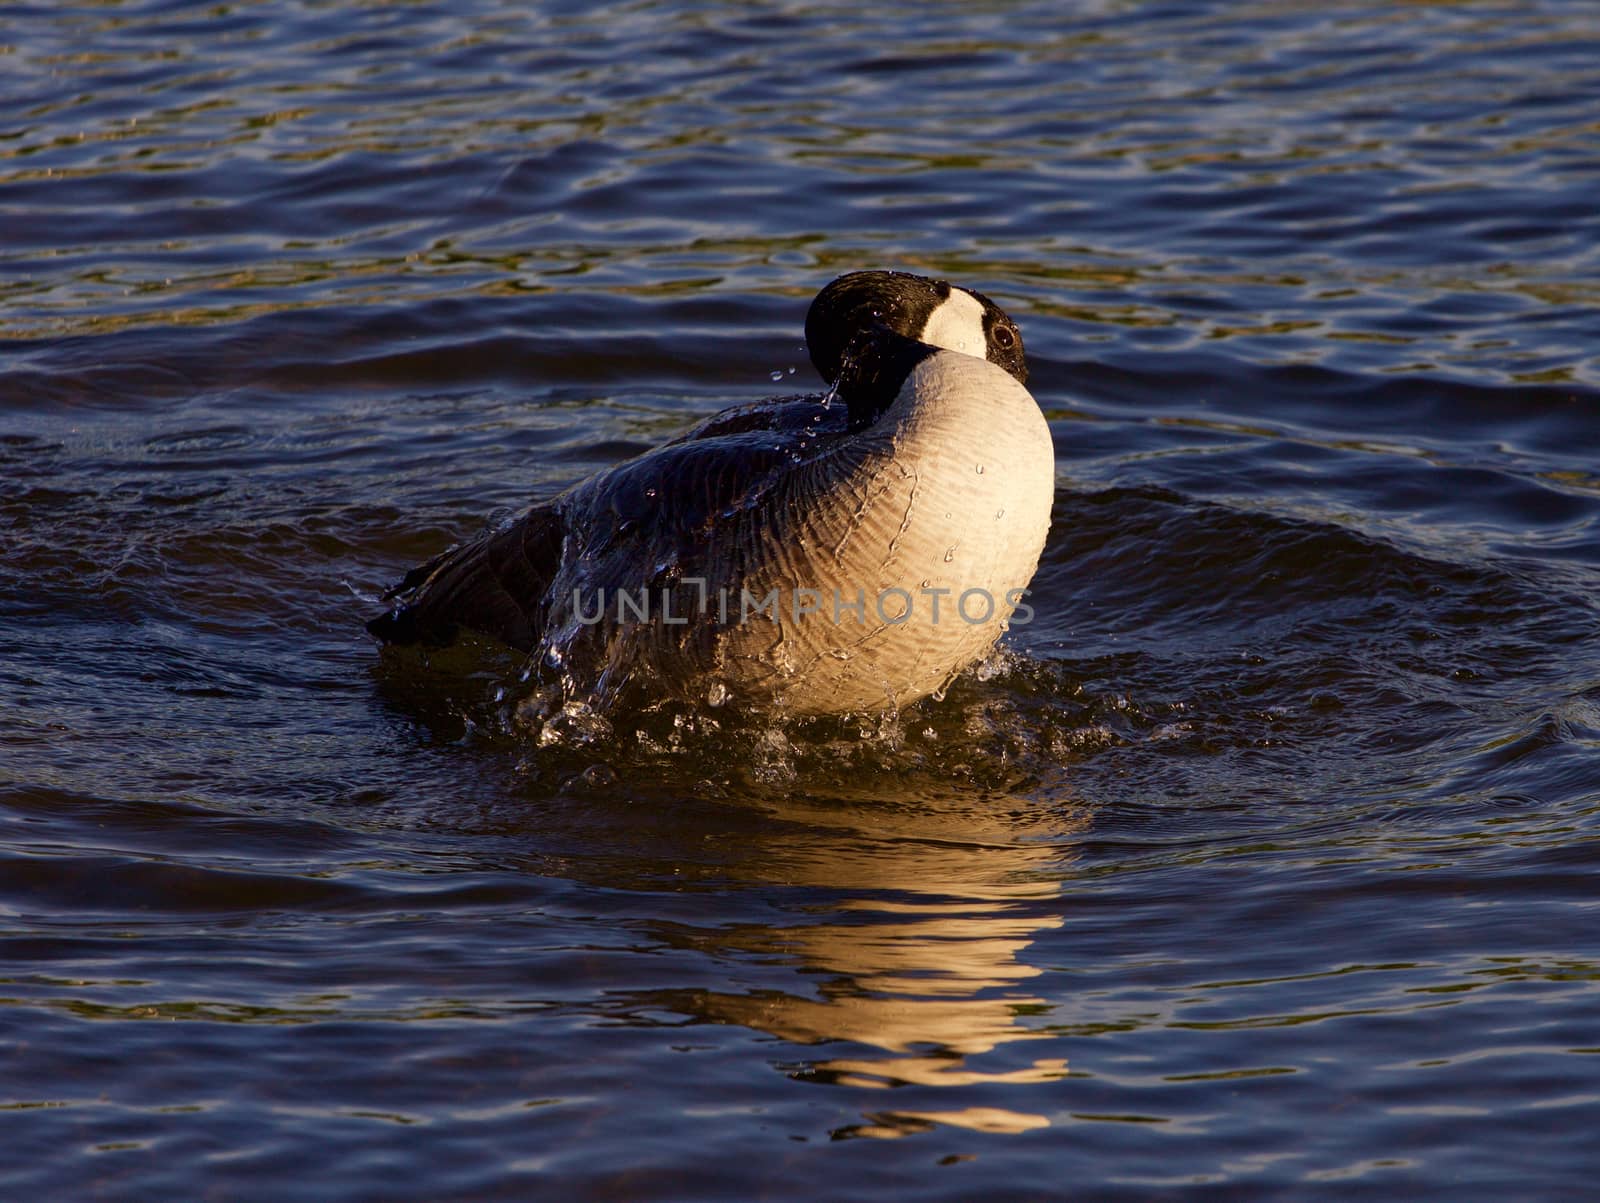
pixel 780 415
pixel 494 584
pixel 671 511
pixel 613 530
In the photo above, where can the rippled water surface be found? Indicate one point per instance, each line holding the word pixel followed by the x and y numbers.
pixel 1262 863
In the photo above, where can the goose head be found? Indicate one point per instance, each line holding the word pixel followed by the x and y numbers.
pixel 868 329
pixel 934 312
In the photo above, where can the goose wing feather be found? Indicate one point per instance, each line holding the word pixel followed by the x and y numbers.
pixel 661 508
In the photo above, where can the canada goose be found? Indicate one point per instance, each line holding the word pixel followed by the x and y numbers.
pixel 847 551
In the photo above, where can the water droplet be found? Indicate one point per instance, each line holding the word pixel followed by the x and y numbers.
pixel 597 776
pixel 980 469
pixel 927 582
pixel 949 554
pixel 650 493
pixel 775 375
pixel 791 370
pixel 1000 513
pixel 716 694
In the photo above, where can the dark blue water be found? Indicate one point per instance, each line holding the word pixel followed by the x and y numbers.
pixel 1262 865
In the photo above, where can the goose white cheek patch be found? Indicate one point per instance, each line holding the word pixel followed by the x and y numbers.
pixel 957 325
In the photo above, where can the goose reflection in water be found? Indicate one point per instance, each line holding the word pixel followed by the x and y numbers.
pixel 924 961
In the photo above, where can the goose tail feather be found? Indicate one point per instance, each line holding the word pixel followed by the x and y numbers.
pixel 494 585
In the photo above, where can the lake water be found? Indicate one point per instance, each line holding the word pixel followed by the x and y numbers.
pixel 1264 863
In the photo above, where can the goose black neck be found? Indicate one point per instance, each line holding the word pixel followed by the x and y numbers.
pixel 874 370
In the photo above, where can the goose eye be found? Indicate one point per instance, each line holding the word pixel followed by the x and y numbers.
pixel 1004 338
